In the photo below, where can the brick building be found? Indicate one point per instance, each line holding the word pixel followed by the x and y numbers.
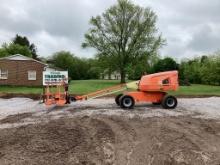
pixel 21 70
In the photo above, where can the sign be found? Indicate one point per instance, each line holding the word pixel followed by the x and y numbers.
pixel 55 77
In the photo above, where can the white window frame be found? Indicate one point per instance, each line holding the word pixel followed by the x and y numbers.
pixel 32 75
pixel 3 73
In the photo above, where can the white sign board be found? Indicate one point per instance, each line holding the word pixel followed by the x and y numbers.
pixel 55 77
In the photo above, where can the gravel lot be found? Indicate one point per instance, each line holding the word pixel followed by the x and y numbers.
pixel 99 132
pixel 207 108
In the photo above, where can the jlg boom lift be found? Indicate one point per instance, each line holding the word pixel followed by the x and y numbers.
pixel 151 88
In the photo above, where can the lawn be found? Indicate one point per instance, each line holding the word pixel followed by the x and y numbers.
pixel 198 90
pixel 86 86
pixel 75 87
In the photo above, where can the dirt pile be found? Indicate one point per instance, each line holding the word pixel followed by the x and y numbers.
pixel 113 140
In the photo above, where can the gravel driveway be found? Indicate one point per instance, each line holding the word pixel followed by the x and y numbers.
pixel 99 132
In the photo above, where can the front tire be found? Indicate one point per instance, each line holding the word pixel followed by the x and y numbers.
pixel 169 102
pixel 117 99
pixel 127 102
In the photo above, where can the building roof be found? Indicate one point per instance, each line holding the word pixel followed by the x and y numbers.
pixel 55 68
pixel 20 57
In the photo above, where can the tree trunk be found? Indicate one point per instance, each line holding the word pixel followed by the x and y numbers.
pixel 122 76
pixel 109 74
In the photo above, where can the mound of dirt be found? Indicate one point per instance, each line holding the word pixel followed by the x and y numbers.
pixel 15 118
pixel 113 140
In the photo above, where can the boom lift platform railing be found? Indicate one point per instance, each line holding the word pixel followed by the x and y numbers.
pixel 58 97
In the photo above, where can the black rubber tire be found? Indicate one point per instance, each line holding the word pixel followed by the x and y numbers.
pixel 73 99
pixel 117 99
pixel 169 102
pixel 126 102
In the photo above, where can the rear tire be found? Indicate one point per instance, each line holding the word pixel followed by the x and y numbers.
pixel 126 102
pixel 169 102
pixel 117 99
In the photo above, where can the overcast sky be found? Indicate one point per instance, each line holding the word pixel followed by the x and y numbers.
pixel 191 27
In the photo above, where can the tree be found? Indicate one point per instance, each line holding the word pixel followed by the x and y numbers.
pixel 94 70
pixel 78 68
pixel 106 65
pixel 210 69
pixel 165 64
pixel 124 33
pixel 64 60
pixel 23 41
pixel 190 70
pixel 10 49
pixel 3 52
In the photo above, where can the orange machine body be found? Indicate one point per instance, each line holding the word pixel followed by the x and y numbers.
pixel 153 87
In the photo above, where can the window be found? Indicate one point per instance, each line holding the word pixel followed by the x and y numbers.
pixel 3 74
pixel 32 75
pixel 166 81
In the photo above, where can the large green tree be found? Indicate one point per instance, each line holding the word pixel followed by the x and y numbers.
pixel 124 33
pixel 166 64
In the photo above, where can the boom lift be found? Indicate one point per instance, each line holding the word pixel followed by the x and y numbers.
pixel 151 88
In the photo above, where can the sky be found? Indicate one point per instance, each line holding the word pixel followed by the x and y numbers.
pixel 190 27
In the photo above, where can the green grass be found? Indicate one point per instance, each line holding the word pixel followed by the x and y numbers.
pixel 86 86
pixel 198 90
pixel 75 87
pixel 14 89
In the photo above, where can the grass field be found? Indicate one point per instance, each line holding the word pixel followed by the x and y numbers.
pixel 198 90
pixel 75 87
pixel 86 86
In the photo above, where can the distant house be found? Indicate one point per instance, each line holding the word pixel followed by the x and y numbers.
pixel 21 70
pixel 113 76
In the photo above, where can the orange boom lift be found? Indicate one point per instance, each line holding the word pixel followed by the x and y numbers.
pixel 151 88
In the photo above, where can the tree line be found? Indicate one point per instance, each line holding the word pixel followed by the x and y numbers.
pixel 198 70
pixel 78 68
pixel 201 70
